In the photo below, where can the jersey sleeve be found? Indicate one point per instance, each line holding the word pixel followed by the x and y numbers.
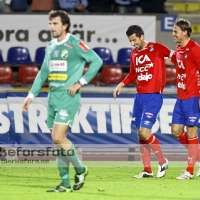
pixel 90 57
pixel 166 52
pixel 41 77
pixel 131 75
pixel 173 58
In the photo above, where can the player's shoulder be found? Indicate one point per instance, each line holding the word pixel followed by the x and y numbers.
pixel 192 43
pixel 194 47
pixel 157 44
pixel 78 43
pixel 74 38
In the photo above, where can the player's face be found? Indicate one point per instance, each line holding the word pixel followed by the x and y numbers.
pixel 136 42
pixel 58 30
pixel 178 34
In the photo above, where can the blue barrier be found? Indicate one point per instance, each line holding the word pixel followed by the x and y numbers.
pixel 99 121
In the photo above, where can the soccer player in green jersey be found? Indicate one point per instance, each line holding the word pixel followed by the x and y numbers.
pixel 63 65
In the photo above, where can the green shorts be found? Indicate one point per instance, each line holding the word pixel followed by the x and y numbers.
pixel 62 108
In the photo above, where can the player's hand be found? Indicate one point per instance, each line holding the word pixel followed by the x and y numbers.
pixel 118 90
pixel 26 104
pixel 74 88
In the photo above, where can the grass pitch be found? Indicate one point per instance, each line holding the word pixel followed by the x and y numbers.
pixel 106 181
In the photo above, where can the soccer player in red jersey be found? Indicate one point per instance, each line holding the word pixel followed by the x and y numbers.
pixel 147 68
pixel 186 110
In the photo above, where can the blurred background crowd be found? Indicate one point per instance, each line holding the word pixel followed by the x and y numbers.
pixel 88 6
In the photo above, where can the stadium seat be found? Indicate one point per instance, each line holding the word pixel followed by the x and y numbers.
pixel 111 75
pixel 1 58
pixel 27 73
pixel 39 55
pixel 18 55
pixel 105 54
pixel 170 75
pixel 42 5
pixel 19 5
pixel 6 74
pixel 94 81
pixel 123 56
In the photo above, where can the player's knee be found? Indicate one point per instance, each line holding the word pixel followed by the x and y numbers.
pixel 56 139
pixel 175 132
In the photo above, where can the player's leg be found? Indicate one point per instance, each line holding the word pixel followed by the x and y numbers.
pixel 145 153
pixel 193 143
pixel 154 144
pixel 70 154
pixel 67 117
pixel 62 162
pixel 62 120
pixel 143 147
pixel 184 115
pixel 151 106
pixel 192 153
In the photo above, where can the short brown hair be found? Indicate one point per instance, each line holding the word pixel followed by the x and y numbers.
pixel 63 16
pixel 184 25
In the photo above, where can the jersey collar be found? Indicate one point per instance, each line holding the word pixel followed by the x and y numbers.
pixel 63 41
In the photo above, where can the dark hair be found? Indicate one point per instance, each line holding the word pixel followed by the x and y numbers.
pixel 135 29
pixel 63 16
pixel 184 25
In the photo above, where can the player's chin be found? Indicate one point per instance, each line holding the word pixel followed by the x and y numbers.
pixel 53 35
pixel 175 39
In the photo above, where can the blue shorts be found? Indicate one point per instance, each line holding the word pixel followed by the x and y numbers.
pixel 186 112
pixel 145 110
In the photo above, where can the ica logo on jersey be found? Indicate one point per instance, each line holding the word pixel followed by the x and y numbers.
pixel 142 68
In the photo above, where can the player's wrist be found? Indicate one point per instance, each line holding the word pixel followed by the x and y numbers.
pixel 31 96
pixel 82 81
pixel 79 83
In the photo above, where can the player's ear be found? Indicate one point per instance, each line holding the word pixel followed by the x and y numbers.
pixel 65 26
pixel 142 37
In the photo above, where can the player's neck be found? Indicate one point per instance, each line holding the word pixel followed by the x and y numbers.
pixel 144 45
pixel 62 37
pixel 184 42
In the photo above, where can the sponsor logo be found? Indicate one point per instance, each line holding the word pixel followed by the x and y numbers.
pixel 83 46
pixel 180 64
pixel 55 84
pixel 144 77
pixel 181 76
pixel 68 46
pixel 64 54
pixel 148 115
pixel 141 59
pixel 147 122
pixel 58 65
pixel 144 68
pixel 134 119
pixel 57 77
pixel 181 85
pixel 192 119
pixel 56 53
pixel 63 113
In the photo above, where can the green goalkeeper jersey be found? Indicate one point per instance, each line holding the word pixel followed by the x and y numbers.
pixel 64 63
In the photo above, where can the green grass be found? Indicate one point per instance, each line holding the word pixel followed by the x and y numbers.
pixel 106 181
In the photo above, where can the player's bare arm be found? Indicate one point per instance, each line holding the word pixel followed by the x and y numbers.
pixel 118 90
pixel 74 88
pixel 168 61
